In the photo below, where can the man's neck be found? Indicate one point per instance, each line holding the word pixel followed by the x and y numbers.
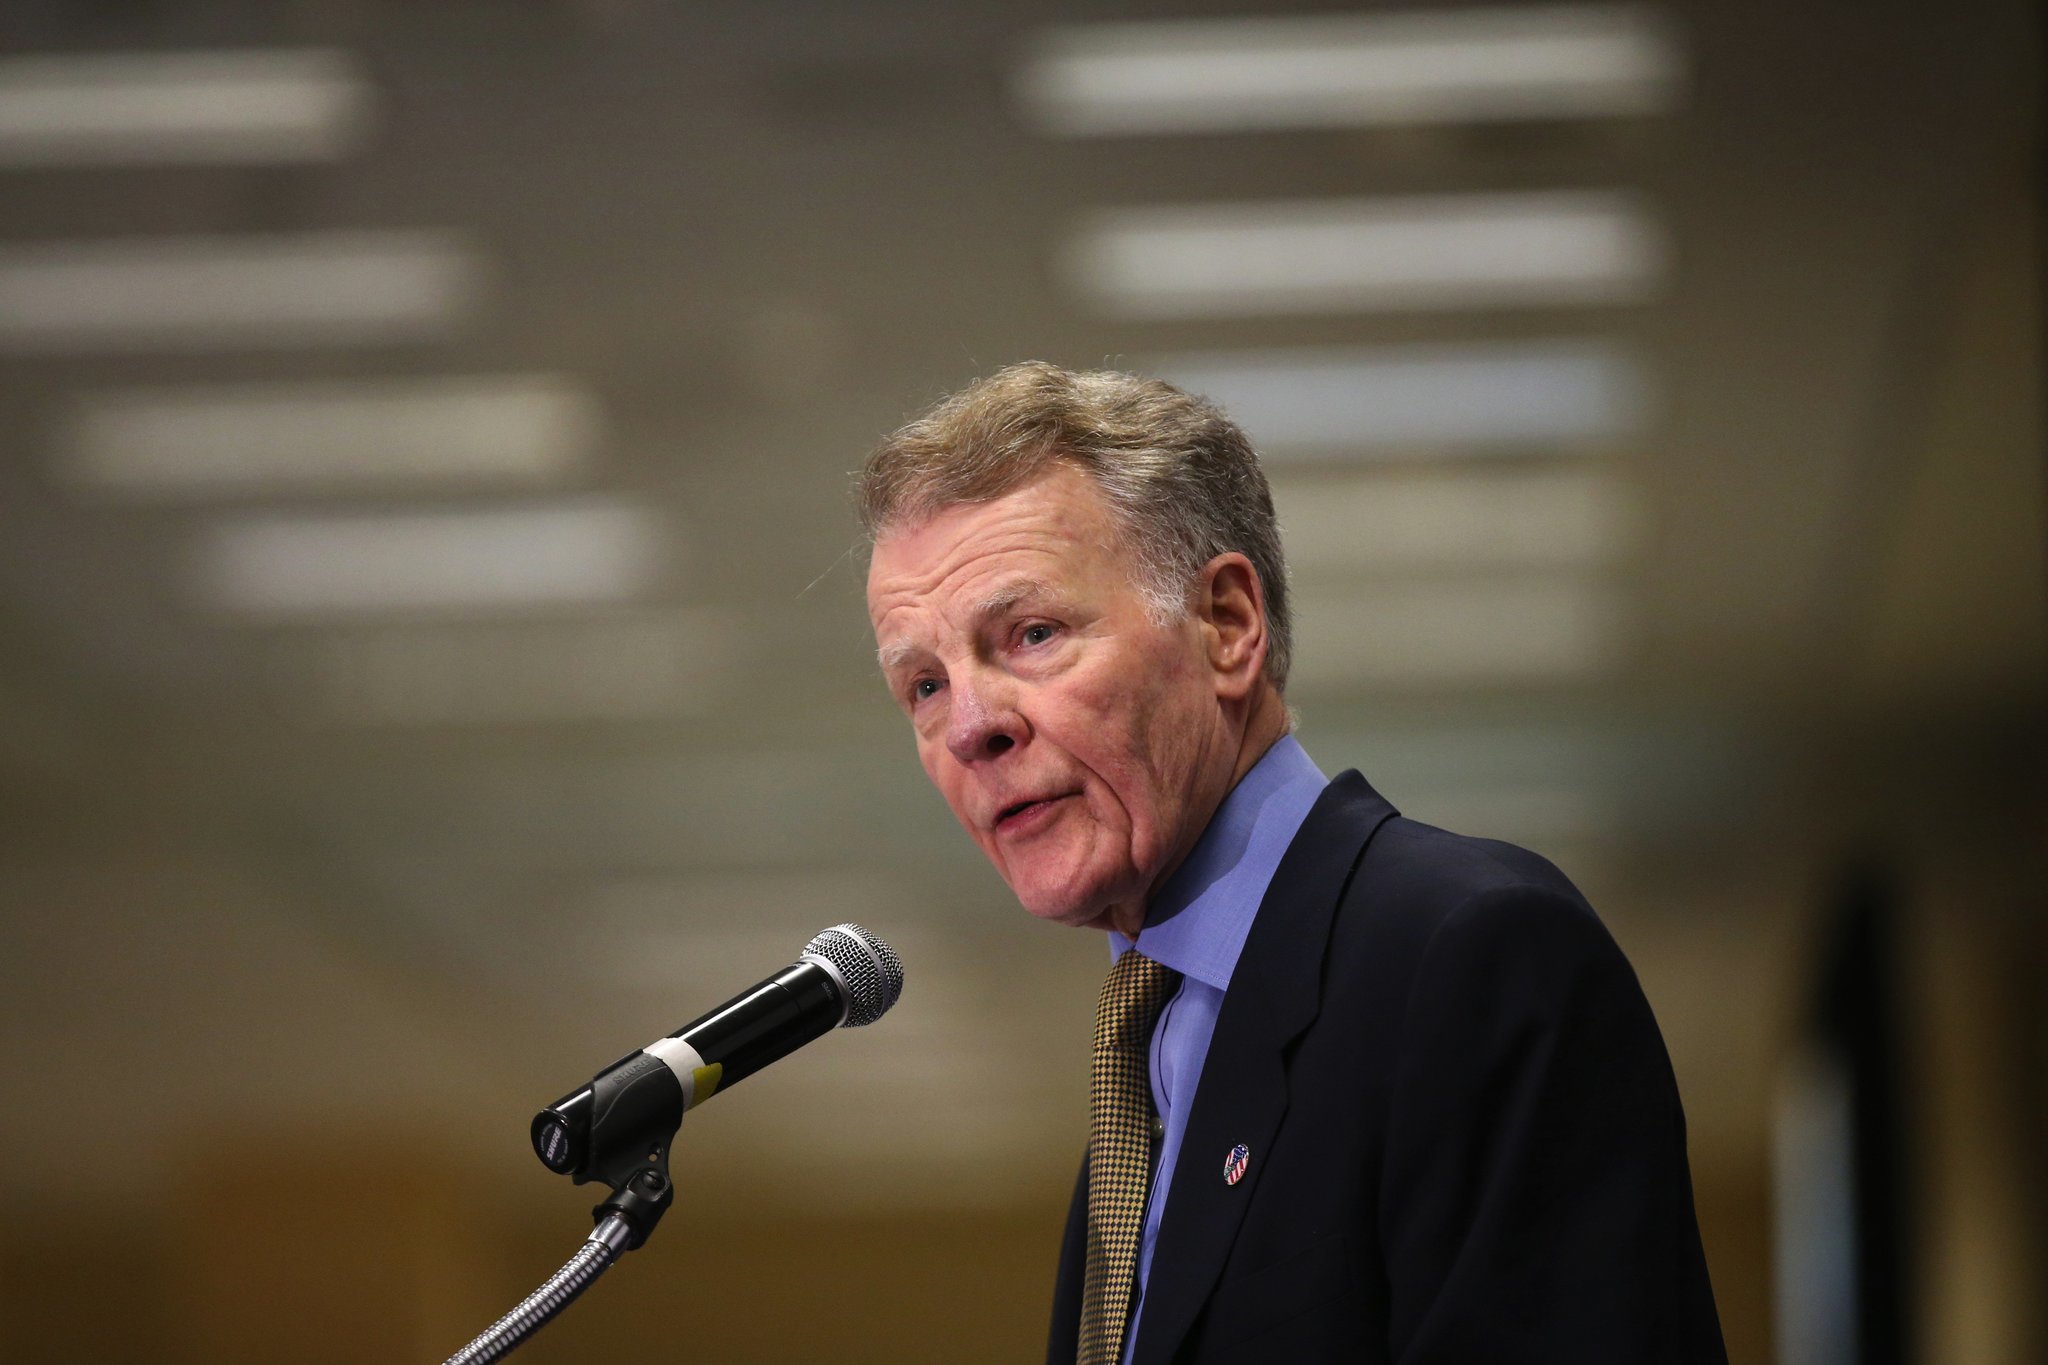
pixel 1264 727
pixel 1266 724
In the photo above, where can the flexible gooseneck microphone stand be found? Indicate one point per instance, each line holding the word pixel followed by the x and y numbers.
pixel 595 1257
pixel 624 1222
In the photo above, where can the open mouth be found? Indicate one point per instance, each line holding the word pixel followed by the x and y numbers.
pixel 1024 810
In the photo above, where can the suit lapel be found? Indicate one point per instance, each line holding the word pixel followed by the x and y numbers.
pixel 1275 993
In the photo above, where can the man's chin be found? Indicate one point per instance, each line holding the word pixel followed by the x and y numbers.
pixel 1063 905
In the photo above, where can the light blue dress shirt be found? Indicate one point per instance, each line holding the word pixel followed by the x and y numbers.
pixel 1197 926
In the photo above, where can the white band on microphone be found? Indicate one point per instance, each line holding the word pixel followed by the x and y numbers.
pixel 699 1081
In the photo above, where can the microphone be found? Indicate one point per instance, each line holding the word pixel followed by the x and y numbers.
pixel 606 1130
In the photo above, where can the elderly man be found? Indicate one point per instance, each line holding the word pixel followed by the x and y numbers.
pixel 1362 1090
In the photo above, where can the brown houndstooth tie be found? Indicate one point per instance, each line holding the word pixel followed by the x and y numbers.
pixel 1119 1148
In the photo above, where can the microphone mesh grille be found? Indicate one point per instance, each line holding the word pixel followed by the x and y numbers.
pixel 870 968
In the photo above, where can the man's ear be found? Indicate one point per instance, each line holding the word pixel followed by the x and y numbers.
pixel 1230 605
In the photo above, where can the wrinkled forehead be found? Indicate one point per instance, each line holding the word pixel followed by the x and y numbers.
pixel 1048 539
pixel 1061 505
pixel 987 571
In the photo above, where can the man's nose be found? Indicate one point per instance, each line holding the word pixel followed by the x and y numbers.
pixel 983 722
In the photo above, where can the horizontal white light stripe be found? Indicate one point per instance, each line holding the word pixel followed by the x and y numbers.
pixel 1356 403
pixel 1497 630
pixel 617 666
pixel 306 289
pixel 250 107
pixel 1359 255
pixel 1327 71
pixel 536 556
pixel 1510 519
pixel 338 435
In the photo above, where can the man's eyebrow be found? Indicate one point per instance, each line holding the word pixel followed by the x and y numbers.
pixel 896 655
pixel 995 604
pixel 1009 595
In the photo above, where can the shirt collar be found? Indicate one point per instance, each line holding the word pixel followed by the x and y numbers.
pixel 1198 922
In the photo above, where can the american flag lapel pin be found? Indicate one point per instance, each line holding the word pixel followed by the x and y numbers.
pixel 1234 1164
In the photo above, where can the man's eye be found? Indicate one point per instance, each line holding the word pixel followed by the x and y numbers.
pixel 1036 635
pixel 923 688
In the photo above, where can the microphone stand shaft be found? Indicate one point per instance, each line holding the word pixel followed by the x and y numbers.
pixel 607 1241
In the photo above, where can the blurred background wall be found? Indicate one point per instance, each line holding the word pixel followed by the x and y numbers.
pixel 432 658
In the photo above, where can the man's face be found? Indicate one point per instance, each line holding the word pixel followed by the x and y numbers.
pixel 1080 744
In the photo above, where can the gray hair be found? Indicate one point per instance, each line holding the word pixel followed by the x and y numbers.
pixel 1179 477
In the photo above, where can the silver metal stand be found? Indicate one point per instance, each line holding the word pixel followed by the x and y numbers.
pixel 609 1240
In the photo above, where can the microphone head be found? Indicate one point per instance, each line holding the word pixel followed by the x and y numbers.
pixel 868 967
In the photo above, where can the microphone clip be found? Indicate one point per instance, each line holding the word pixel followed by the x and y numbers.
pixel 640 1197
pixel 618 1130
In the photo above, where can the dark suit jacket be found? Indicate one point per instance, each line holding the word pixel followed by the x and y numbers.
pixel 1466 1142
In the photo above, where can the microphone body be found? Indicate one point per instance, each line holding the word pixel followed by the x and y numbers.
pixel 629 1111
